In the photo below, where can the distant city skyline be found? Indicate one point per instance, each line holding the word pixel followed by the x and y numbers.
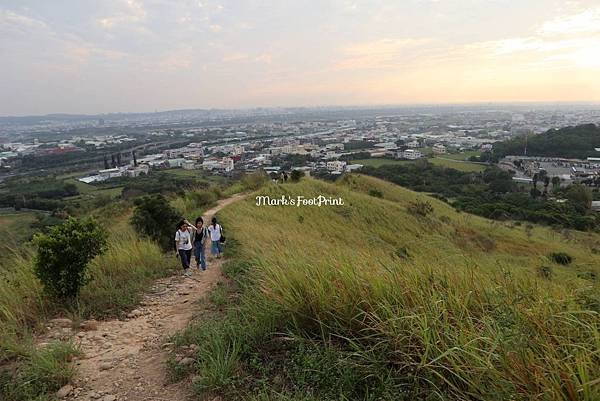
pixel 90 57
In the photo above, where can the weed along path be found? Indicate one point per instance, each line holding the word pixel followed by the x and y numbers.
pixel 125 360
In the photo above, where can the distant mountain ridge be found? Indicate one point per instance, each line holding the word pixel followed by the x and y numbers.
pixel 578 142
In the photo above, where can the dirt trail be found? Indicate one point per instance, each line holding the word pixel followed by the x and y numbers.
pixel 124 360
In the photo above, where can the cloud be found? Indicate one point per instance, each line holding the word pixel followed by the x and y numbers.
pixel 381 53
pixel 587 21
pixel 12 20
pixel 130 12
pixel 572 40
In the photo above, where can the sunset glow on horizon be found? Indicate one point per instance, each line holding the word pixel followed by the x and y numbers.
pixel 145 55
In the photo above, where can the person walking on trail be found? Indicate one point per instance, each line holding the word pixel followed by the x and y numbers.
pixel 183 245
pixel 216 237
pixel 199 241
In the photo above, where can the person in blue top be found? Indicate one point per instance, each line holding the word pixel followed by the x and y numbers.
pixel 199 241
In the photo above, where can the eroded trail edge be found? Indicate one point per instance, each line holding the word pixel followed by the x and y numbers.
pixel 125 360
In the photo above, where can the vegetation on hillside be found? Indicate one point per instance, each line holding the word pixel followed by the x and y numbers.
pixel 570 142
pixel 118 278
pixel 492 194
pixel 112 283
pixel 397 296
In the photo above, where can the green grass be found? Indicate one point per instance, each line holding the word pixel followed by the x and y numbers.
pixel 82 187
pixel 370 301
pixel 179 172
pixel 457 165
pixel 378 162
pixel 41 371
pixel 15 230
pixel 463 156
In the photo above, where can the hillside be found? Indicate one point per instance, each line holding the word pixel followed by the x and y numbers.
pixel 381 299
pixel 576 142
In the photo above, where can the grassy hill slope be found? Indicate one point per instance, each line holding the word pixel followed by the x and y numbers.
pixel 380 299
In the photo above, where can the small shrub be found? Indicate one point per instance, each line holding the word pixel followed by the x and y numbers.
pixel 529 230
pixel 64 253
pixel 545 272
pixel 420 208
pixel 375 193
pixel 402 253
pixel 562 258
pixel 296 175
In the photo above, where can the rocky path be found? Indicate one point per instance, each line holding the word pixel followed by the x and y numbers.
pixel 125 360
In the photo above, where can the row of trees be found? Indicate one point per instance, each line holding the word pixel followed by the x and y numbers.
pixel 576 142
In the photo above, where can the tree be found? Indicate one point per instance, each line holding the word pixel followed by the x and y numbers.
pixel 534 181
pixel 580 196
pixel 296 175
pixel 156 218
pixel 546 184
pixel 555 182
pixel 64 253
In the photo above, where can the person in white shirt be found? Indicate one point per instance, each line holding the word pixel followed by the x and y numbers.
pixel 216 236
pixel 183 245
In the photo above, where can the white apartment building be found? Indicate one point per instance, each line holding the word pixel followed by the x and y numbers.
pixel 410 154
pixel 439 149
pixel 189 165
pixel 336 166
pixel 227 164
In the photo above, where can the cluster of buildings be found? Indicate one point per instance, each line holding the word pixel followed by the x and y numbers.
pixel 12 152
pixel 311 146
pixel 320 140
pixel 567 170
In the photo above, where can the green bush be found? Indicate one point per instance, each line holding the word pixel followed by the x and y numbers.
pixel 376 193
pixel 296 175
pixel 64 253
pixel 562 258
pixel 420 208
pixel 156 218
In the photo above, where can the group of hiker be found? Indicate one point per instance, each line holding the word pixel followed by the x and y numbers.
pixel 193 237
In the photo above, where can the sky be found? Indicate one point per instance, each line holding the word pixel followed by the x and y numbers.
pixel 99 56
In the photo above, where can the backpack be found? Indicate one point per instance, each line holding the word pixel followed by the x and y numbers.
pixel 222 239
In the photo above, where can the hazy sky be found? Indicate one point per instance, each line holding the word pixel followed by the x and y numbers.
pixel 83 56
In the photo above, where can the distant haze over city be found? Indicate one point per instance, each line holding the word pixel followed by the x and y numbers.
pixel 88 57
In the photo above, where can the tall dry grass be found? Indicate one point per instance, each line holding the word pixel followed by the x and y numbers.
pixel 447 306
